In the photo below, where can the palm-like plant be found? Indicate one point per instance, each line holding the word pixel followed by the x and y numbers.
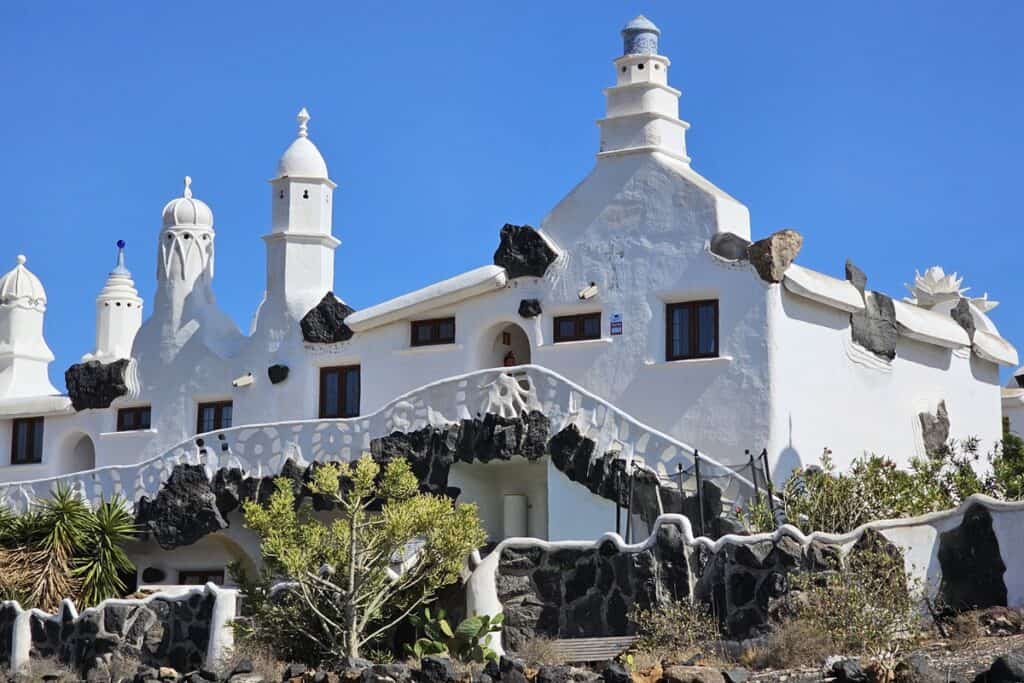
pixel 101 566
pixel 61 548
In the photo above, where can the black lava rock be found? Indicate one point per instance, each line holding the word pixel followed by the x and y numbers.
pixel 972 566
pixel 277 373
pixel 95 384
pixel 856 277
pixel 183 511
pixel 523 252
pixel 1006 669
pixel 615 672
pixel 961 313
pixel 729 246
pixel 529 308
pixel 874 328
pixel 435 670
pixel 325 323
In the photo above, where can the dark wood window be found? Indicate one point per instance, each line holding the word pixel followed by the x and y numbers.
pixel 436 331
pixel 577 327
pixel 339 391
pixel 211 416
pixel 200 577
pixel 132 419
pixel 27 440
pixel 691 330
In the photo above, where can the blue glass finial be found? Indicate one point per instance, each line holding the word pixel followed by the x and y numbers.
pixel 640 37
pixel 120 268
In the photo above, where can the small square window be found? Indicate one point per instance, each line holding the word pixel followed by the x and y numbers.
pixel 213 416
pixel 691 330
pixel 339 391
pixel 431 332
pixel 133 419
pixel 27 441
pixel 577 327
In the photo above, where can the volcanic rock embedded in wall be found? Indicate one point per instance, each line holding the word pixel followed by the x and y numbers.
pixel 972 565
pixel 961 313
pixel 729 246
pixel 772 255
pixel 935 429
pixel 523 252
pixel 580 593
pixel 157 632
pixel 874 328
pixel 529 308
pixel 94 384
pixel 325 322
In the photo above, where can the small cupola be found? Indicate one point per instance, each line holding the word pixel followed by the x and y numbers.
pixel 187 211
pixel 302 159
pixel 640 37
pixel 20 287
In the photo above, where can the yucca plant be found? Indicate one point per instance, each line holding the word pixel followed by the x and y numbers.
pixel 60 548
pixel 100 567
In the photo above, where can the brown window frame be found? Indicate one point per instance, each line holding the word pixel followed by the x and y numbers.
pixel 138 412
pixel 215 575
pixel 434 325
pixel 35 445
pixel 579 322
pixel 693 307
pixel 344 409
pixel 218 415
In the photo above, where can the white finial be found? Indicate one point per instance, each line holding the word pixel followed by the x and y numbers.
pixel 21 259
pixel 303 119
pixel 188 187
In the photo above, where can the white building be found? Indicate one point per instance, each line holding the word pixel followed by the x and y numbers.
pixel 640 290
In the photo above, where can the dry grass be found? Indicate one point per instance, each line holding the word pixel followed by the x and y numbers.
pixel 797 642
pixel 540 650
pixel 264 663
pixel 37 668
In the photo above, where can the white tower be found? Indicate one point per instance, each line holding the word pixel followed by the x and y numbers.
pixel 118 314
pixel 24 355
pixel 300 247
pixel 642 109
pixel 184 303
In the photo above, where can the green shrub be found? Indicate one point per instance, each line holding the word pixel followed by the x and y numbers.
pixel 348 582
pixel 867 607
pixel 467 642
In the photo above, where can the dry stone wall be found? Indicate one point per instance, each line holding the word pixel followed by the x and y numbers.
pixel 181 631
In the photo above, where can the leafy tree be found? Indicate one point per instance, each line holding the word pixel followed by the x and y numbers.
pixel 61 549
pixel 351 580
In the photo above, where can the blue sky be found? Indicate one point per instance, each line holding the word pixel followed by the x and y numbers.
pixel 886 132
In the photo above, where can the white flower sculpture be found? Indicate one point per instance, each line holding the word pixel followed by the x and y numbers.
pixel 935 287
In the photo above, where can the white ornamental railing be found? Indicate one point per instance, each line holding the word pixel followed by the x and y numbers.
pixel 261 450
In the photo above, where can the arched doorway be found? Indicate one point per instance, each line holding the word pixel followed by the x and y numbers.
pixel 82 456
pixel 506 344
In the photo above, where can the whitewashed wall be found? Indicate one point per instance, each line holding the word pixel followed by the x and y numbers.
pixel 829 392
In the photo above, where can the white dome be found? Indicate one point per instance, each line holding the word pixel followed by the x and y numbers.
pixel 20 287
pixel 302 159
pixel 185 211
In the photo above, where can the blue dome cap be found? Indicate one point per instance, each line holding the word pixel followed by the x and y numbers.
pixel 640 37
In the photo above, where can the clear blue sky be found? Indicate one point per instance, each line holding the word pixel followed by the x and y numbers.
pixel 886 132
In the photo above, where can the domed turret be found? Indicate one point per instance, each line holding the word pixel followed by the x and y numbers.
pixel 187 211
pixel 24 355
pixel 302 159
pixel 19 287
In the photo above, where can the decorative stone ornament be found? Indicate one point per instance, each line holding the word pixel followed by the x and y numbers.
pixel 94 384
pixel 277 373
pixel 529 308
